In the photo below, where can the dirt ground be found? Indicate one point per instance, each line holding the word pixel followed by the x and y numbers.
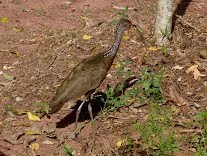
pixel 40 43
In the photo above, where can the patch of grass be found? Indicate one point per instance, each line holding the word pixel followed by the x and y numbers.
pixel 165 51
pixel 13 109
pixel 115 96
pixel 156 137
pixel 150 85
pixel 44 107
pixel 147 87
pixel 199 140
pixel 123 14
pixel 68 150
pixel 124 146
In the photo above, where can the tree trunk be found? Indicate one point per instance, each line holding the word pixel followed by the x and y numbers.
pixel 163 24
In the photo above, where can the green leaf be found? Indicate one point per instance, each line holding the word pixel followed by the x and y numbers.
pixel 68 150
pixel 146 85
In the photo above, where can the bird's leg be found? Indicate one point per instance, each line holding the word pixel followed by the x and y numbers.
pixel 73 135
pixel 88 96
pixel 90 111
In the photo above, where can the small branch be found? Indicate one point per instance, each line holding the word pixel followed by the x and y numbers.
pixel 191 131
pixel 122 8
pixel 187 23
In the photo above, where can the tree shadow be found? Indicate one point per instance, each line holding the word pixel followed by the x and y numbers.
pixel 97 103
pixel 180 11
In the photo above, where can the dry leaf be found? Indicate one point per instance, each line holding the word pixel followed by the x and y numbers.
pixel 8 77
pixel 35 146
pixel 36 129
pixel 32 116
pixel 117 65
pixel 153 48
pixel 85 18
pixel 121 143
pixel 196 72
pixel 125 38
pixel 87 37
pixel 177 67
pixel 175 97
pixel 17 29
pixel 4 20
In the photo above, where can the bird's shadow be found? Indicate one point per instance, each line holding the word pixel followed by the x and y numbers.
pixel 180 10
pixel 97 103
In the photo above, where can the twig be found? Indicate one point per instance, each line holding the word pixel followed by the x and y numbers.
pixel 187 23
pixel 190 131
pixel 52 62
pixel 2 50
pixel 122 8
pixel 137 2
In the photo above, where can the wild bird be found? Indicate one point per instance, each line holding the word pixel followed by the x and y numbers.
pixel 88 75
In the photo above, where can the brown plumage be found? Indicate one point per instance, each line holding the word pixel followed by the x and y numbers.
pixel 88 75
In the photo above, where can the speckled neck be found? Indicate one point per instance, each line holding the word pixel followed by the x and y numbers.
pixel 113 50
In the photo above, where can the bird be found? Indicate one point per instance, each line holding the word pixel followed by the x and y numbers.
pixel 88 75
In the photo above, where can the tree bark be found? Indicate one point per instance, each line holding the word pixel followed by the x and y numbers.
pixel 163 24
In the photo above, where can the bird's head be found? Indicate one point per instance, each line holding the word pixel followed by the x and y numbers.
pixel 124 24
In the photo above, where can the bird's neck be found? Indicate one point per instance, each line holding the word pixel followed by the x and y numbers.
pixel 113 50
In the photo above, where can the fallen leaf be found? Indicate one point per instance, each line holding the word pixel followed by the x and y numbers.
pixel 153 48
pixel 179 79
pixel 117 65
pixel 125 38
pixel 177 67
pixel 32 116
pixel 175 97
pixel 36 129
pixel 85 18
pixel 4 20
pixel 87 37
pixel 121 143
pixel 17 29
pixel 6 76
pixel 131 100
pixel 35 146
pixel 196 72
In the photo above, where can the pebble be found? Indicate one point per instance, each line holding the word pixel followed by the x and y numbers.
pixel 18 99
pixel 203 53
